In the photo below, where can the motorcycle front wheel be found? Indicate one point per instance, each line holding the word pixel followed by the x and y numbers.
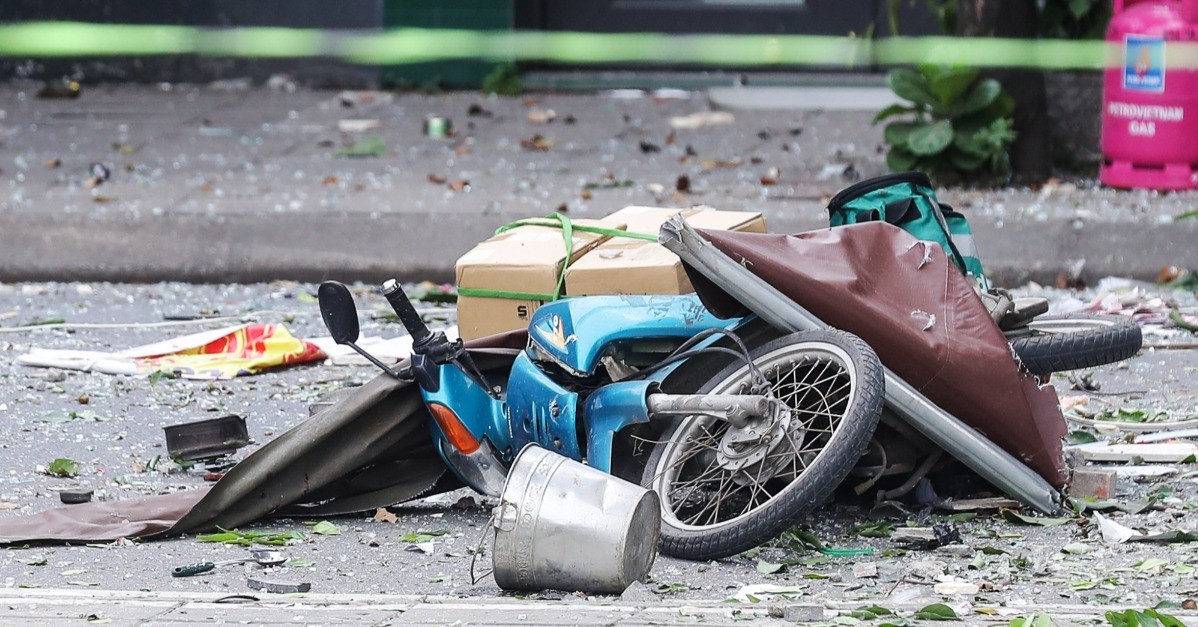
pixel 726 489
pixel 1058 343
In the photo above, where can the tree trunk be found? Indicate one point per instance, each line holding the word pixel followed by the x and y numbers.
pixel 1030 158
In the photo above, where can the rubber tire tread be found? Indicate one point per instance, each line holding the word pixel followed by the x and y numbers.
pixel 1044 353
pixel 810 489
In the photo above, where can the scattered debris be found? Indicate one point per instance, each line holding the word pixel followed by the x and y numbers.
pixel 770 177
pixel 222 353
pixel 382 514
pixel 701 119
pixel 73 497
pixel 1098 483
pixel 541 116
pixel 278 587
pixel 99 174
pixel 1157 452
pixel 437 127
pixel 369 146
pixel 357 126
pixel 537 142
pixel 65 89
pixel 206 439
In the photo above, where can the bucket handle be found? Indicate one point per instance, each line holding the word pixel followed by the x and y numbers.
pixel 492 525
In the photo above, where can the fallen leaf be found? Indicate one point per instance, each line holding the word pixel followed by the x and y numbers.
pixel 937 611
pixel 63 467
pixel 683 184
pixel 436 179
pixel 53 163
pixel 329 180
pixel 382 514
pixel 458 186
pixel 462 149
pixel 326 528
pixel 768 568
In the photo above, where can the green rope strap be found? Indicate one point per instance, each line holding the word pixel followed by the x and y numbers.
pixel 557 221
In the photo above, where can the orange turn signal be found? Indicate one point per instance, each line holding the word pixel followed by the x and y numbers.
pixel 456 432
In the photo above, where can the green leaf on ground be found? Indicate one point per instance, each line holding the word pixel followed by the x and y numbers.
pixel 877 529
pixel 768 568
pixel 1079 436
pixel 247 538
pixel 63 467
pixel 422 536
pixel 326 528
pixel 1034 620
pixel 1076 548
pixel 937 611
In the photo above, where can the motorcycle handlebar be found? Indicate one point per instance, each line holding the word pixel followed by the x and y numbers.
pixel 406 312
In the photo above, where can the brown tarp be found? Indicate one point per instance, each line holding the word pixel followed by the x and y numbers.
pixel 909 303
pixel 370 450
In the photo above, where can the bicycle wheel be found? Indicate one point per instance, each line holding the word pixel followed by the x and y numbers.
pixel 726 489
pixel 1057 343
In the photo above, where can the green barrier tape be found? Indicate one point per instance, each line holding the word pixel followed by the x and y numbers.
pixel 470 291
pixel 416 45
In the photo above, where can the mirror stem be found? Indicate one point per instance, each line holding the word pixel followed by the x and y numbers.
pixel 374 360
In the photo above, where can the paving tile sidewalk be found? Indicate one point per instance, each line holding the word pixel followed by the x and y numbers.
pixel 90 607
pixel 244 185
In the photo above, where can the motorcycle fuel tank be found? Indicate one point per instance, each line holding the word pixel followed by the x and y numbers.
pixel 575 332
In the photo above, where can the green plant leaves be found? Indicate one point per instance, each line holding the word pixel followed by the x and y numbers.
pixel 930 139
pixel 1145 618
pixel 893 110
pixel 981 96
pixel 911 85
pixel 948 83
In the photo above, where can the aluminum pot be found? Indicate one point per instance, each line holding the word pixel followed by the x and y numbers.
pixel 563 525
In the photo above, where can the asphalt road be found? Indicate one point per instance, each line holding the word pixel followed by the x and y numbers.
pixel 117 431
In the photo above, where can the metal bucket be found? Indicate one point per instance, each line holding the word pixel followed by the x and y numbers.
pixel 563 525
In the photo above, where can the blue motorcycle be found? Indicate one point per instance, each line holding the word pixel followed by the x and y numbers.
pixel 739 428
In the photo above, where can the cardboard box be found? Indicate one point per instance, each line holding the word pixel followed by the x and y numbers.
pixel 634 266
pixel 527 261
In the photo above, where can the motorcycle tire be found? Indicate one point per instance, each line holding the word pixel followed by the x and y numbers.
pixel 1057 343
pixel 721 493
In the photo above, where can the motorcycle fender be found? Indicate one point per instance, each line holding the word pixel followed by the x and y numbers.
pixel 609 409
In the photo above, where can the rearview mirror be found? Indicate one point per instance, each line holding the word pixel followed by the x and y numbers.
pixel 339 313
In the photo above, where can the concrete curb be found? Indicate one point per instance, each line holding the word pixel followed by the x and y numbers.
pixel 419 246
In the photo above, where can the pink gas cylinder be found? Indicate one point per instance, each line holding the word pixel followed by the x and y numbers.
pixel 1150 97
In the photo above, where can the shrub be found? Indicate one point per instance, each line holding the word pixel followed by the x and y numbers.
pixel 956 126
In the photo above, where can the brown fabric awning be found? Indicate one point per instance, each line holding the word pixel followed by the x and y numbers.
pixel 919 313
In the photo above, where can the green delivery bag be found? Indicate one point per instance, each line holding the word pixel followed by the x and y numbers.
pixel 907 200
